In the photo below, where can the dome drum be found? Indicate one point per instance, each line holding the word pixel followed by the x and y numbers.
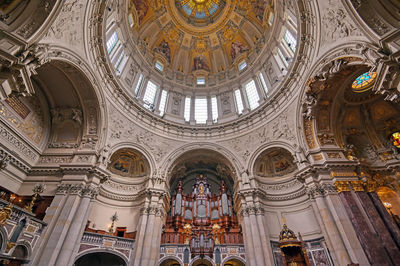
pixel 221 56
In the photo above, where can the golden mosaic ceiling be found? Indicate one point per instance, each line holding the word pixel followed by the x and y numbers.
pixel 201 37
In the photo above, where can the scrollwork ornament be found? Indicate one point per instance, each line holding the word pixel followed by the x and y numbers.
pixel 357 186
pixel 4 161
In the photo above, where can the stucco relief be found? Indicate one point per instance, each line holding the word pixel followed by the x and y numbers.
pixel 25 115
pixel 9 137
pixel 279 188
pixel 124 188
pixel 36 20
pixel 68 26
pixel 281 128
pixel 370 16
pixel 336 23
pixel 123 129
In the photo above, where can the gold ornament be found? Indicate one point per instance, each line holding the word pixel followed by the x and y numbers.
pixel 342 186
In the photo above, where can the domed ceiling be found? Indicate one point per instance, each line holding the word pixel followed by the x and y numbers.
pixel 200 37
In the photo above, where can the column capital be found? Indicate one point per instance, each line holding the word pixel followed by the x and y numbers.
pixel 82 190
pixel 320 190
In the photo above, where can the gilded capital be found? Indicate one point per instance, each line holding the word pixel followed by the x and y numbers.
pixel 357 185
pixel 371 185
pixel 342 186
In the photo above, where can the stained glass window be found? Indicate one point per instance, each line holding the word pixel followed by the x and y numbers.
pixel 395 138
pixel 201 10
pixel 364 82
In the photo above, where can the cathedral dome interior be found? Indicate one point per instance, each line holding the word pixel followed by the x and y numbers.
pixel 199 132
pixel 209 57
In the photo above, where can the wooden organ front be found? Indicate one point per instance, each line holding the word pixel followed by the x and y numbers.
pixel 201 219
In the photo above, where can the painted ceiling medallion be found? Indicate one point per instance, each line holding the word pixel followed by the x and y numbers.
pixel 364 82
pixel 200 12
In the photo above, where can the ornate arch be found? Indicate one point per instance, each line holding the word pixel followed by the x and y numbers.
pixel 103 250
pixel 58 54
pixel 168 165
pixel 204 258
pixel 328 64
pixel 266 146
pixel 233 257
pixel 26 245
pixel 109 151
pixel 170 258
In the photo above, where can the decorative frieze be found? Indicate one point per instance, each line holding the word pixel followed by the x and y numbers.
pixel 153 210
pixel 7 135
pixel 78 189
pixel 316 190
pixel 251 209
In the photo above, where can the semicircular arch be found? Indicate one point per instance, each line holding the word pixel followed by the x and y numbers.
pixel 174 156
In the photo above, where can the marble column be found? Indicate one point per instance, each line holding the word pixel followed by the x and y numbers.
pixel 74 235
pixel 369 241
pixel 387 218
pixel 140 236
pixel 324 231
pixel 256 238
pixel 247 237
pixel 339 249
pixel 51 218
pixel 66 218
pixel 145 260
pixel 255 233
pixel 155 244
pixel 265 241
pixel 347 231
pixel 148 237
pixel 380 227
pixel 337 228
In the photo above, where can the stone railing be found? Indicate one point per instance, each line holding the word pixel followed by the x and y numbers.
pixel 92 241
pixel 178 252
pixel 23 227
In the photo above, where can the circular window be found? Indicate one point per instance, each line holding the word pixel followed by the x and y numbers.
pixel 200 11
pixel 364 82
pixel 395 138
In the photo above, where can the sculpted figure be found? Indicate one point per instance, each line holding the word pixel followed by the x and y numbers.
pixel 309 102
